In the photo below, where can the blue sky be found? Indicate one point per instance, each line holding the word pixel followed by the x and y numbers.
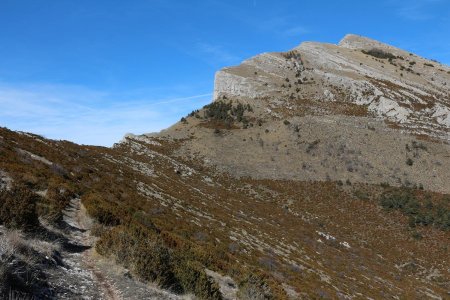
pixel 91 71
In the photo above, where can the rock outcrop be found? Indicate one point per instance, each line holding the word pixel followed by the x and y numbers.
pixel 321 172
pixel 351 111
pixel 396 85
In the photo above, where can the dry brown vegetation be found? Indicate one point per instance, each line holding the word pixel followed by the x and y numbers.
pixel 322 239
pixel 22 259
pixel 310 107
pixel 18 207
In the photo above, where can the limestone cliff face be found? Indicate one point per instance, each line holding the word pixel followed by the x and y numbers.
pixel 394 84
pixel 257 77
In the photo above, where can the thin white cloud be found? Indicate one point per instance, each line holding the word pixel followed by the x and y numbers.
pixel 216 53
pixel 415 10
pixel 296 31
pixel 281 25
pixel 86 116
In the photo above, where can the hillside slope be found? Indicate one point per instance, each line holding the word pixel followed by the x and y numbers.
pixel 261 194
pixel 361 110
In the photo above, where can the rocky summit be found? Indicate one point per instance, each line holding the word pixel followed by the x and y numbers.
pixel 316 173
pixel 333 112
pixel 394 84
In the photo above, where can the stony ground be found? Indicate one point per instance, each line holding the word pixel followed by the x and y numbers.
pixel 86 275
pixel 294 194
pixel 326 112
pixel 359 149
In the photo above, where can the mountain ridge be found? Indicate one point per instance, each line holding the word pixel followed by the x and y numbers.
pixel 327 112
pixel 320 172
pixel 348 73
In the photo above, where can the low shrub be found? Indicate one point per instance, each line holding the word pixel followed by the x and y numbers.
pixel 98 229
pixel 293 54
pixel 144 251
pixel 21 267
pixel 103 211
pixel 151 261
pixel 18 207
pixel 255 287
pixel 419 214
pixel 378 53
pixel 55 201
pixel 193 278
pixel 397 200
pixel 218 110
pixel 227 113
pixel 409 162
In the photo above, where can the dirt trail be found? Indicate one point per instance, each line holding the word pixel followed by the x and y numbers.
pixel 79 224
pixel 79 277
pixel 86 275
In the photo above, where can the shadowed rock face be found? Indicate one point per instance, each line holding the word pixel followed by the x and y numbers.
pixel 352 111
pixel 399 86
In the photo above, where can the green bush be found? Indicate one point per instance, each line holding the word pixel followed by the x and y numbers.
pixel 227 112
pixel 293 54
pixel 407 202
pixel 442 218
pixel 378 53
pixel 142 250
pixel 218 110
pixel 397 200
pixel 193 279
pixel 105 212
pixel 152 262
pixel 18 207
pixel 255 287
pixel 52 205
